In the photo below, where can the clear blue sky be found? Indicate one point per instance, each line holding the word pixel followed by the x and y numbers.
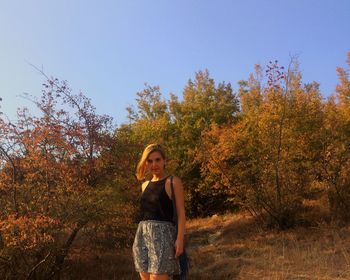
pixel 109 49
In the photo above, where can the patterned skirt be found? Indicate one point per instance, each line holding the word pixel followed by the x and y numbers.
pixel 154 248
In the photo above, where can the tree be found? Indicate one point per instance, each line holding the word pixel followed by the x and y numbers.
pixel 204 104
pixel 266 160
pixel 180 124
pixel 53 182
pixel 336 147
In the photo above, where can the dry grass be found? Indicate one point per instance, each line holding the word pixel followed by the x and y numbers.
pixel 109 264
pixel 233 247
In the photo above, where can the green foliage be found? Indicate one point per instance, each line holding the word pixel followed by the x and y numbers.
pixel 179 126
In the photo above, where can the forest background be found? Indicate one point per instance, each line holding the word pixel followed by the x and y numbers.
pixel 67 176
pixel 262 146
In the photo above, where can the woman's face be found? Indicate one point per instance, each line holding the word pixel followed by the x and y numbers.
pixel 155 163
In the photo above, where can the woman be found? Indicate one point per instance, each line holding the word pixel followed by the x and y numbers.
pixel 157 246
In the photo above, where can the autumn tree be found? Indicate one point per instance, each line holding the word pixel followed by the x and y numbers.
pixel 204 104
pixel 336 146
pixel 266 161
pixel 179 124
pixel 54 182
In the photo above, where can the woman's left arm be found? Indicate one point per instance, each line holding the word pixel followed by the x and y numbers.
pixel 181 216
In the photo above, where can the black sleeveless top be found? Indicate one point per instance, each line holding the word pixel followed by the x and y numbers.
pixel 155 203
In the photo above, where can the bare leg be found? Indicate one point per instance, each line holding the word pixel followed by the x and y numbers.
pixel 159 277
pixel 144 276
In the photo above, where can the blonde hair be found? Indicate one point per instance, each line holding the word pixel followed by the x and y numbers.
pixel 141 166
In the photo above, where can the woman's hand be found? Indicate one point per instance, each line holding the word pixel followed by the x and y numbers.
pixel 179 247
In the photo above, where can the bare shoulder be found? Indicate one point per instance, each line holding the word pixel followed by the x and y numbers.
pixel 144 185
pixel 177 180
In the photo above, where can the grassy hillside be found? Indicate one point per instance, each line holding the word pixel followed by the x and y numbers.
pixel 233 247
